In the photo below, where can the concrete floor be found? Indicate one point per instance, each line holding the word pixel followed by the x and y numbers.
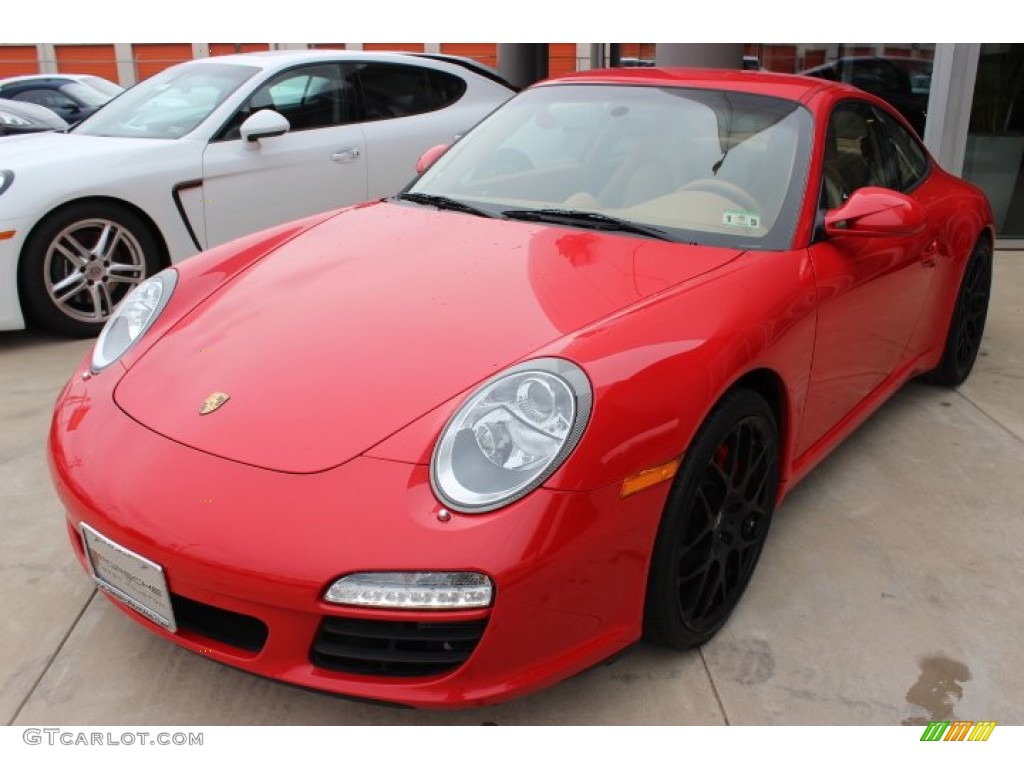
pixel 886 593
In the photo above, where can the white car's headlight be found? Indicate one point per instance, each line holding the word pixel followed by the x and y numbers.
pixel 511 435
pixel 132 318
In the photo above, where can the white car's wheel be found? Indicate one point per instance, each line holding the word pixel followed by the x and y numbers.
pixel 79 264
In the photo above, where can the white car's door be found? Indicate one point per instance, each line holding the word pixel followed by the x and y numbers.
pixel 319 164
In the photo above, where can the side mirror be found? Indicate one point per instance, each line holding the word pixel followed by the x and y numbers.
pixel 430 157
pixel 876 212
pixel 263 125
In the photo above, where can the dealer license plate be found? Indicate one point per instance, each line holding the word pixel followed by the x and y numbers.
pixel 131 578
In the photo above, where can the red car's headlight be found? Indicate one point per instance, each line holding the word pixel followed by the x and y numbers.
pixel 439 590
pixel 511 435
pixel 132 318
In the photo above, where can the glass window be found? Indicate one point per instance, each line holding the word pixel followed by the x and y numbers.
pixel 909 161
pixel 713 167
pixel 875 76
pixel 107 88
pixel 854 153
pixel 47 98
pixel 398 90
pixel 169 104
pixel 85 94
pixel 899 73
pixel 994 158
pixel 316 96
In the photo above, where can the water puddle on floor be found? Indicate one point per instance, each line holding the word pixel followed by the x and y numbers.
pixel 937 689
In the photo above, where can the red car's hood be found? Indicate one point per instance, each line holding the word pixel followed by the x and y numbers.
pixel 368 321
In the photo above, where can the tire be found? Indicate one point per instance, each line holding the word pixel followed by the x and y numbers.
pixel 715 522
pixel 967 324
pixel 80 262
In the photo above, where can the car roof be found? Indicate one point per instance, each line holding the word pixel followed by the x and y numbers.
pixel 281 59
pixel 793 87
pixel 46 78
pixel 273 61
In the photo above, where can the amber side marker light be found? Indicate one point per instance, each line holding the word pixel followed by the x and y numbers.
pixel 8 234
pixel 646 478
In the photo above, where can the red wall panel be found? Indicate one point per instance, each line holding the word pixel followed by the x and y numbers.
pixel 151 58
pixel 223 49
pixel 413 47
pixel 561 58
pixel 485 53
pixel 88 60
pixel 18 60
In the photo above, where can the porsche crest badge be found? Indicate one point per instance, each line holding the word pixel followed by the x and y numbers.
pixel 213 402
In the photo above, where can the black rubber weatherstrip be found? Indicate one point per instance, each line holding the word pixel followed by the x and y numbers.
pixel 176 194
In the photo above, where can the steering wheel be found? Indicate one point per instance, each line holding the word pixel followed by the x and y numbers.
pixel 724 189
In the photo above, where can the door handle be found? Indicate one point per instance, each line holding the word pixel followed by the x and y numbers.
pixel 346 155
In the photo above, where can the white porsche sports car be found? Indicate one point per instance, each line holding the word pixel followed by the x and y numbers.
pixel 208 151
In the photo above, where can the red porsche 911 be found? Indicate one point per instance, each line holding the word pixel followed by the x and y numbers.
pixel 454 446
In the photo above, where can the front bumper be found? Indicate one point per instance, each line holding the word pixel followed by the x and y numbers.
pixel 11 317
pixel 569 569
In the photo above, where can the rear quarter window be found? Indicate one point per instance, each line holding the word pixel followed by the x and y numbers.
pixel 399 90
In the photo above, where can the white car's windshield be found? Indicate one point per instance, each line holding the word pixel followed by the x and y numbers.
pixel 107 88
pixel 85 94
pixel 170 104
pixel 708 166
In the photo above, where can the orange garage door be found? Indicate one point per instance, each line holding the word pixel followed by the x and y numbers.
pixel 223 49
pixel 485 53
pixel 561 58
pixel 151 58
pixel 413 47
pixel 18 60
pixel 88 60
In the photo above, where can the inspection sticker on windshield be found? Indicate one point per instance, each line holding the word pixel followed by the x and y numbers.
pixel 744 219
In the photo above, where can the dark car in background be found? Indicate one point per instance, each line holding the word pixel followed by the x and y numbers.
pixel 72 97
pixel 903 82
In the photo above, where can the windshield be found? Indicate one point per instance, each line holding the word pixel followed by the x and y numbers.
pixel 705 166
pixel 107 88
pixel 83 94
pixel 170 104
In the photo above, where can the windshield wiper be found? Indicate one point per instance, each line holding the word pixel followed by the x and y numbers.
pixel 588 219
pixel 444 203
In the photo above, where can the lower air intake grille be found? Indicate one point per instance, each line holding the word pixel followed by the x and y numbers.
pixel 228 627
pixel 394 648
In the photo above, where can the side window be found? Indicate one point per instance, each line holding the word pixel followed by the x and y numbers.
pixel 310 97
pixel 909 161
pixel 400 90
pixel 47 98
pixel 854 154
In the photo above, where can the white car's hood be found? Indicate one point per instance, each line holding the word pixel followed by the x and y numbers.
pixel 23 153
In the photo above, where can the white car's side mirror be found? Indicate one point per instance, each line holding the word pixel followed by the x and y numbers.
pixel 263 125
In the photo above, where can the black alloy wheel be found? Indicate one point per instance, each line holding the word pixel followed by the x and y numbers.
pixel 715 522
pixel 967 324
